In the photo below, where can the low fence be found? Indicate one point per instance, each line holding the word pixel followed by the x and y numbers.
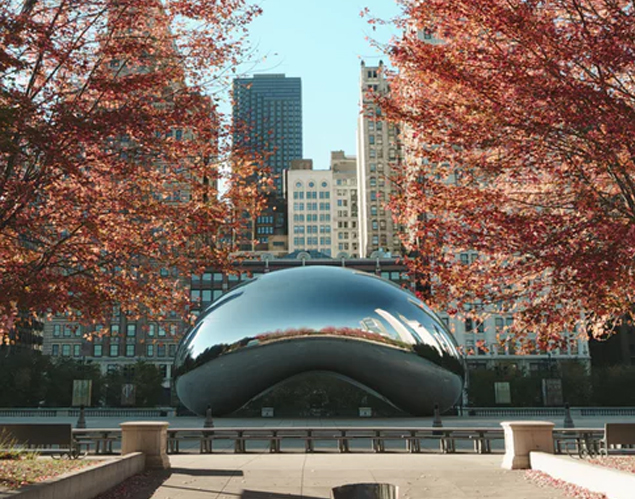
pixel 310 439
pixel 97 412
pixel 544 411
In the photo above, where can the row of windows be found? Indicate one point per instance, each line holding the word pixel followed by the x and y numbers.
pixel 343 181
pixel 300 217
pixel 379 153
pixel 376 167
pixel 205 295
pixel 375 125
pixel 115 329
pixel 311 229
pixel 312 195
pixel 208 277
pixel 374 182
pixel 299 242
pixel 311 184
pixel 265 230
pixel 313 206
pixel 114 350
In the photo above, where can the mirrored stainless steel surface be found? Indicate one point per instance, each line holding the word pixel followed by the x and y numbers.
pixel 318 318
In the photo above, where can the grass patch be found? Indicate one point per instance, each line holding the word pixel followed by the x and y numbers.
pixel 15 473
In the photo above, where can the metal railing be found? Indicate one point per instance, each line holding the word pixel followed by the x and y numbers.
pixel 310 439
pixel 544 411
pixel 97 412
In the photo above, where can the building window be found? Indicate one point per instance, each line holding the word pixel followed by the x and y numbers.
pixel 55 351
pixel 66 350
pixel 172 350
pixel 162 330
pixel 57 329
pixel 152 329
pixel 114 350
pixel 131 330
pixel 130 350
pixel 98 350
pixel 206 296
pixel 150 350
pixel 67 330
pixel 161 350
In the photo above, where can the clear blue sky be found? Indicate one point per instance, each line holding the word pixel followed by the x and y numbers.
pixel 322 42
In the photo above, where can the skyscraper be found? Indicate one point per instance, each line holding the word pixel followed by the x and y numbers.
pixel 267 117
pixel 378 157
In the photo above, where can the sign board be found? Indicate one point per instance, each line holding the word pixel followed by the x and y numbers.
pixel 266 412
pixel 552 392
pixel 128 395
pixel 365 412
pixel 502 393
pixel 82 390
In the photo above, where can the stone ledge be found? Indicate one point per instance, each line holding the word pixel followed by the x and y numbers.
pixel 615 484
pixel 84 483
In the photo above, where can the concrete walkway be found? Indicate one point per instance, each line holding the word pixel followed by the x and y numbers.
pixel 291 476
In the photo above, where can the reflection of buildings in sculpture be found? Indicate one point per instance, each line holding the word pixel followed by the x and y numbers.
pixel 374 326
pixel 315 318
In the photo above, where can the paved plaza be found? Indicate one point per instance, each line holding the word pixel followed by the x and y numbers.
pixel 291 476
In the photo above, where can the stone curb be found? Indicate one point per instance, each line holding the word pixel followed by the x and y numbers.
pixel 84 483
pixel 615 484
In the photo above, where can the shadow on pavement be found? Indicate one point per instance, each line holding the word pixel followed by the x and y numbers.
pixel 194 472
pixel 257 494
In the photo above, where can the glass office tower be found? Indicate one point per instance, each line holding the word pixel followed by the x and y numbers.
pixel 268 117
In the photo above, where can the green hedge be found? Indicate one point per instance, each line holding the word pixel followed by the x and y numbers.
pixel 612 386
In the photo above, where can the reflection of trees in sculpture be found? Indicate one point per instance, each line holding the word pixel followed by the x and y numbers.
pixel 442 359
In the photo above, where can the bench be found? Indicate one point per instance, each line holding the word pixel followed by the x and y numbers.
pixel 584 441
pixel 49 439
pixel 622 434
pixel 102 439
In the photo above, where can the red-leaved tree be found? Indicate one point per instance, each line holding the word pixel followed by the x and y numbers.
pixel 519 118
pixel 109 153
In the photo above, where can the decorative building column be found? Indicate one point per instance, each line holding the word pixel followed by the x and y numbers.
pixel 522 437
pixel 148 437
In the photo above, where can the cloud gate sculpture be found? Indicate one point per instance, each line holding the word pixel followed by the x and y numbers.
pixel 346 322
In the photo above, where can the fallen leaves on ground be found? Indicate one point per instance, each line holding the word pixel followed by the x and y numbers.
pixel 15 473
pixel 622 463
pixel 140 486
pixel 544 480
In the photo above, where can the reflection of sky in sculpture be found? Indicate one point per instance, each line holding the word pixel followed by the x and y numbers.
pixel 311 311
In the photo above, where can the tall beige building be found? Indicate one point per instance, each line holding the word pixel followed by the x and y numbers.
pixel 322 207
pixel 346 209
pixel 378 156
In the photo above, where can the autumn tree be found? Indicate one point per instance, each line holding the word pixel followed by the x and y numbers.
pixel 109 152
pixel 519 118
